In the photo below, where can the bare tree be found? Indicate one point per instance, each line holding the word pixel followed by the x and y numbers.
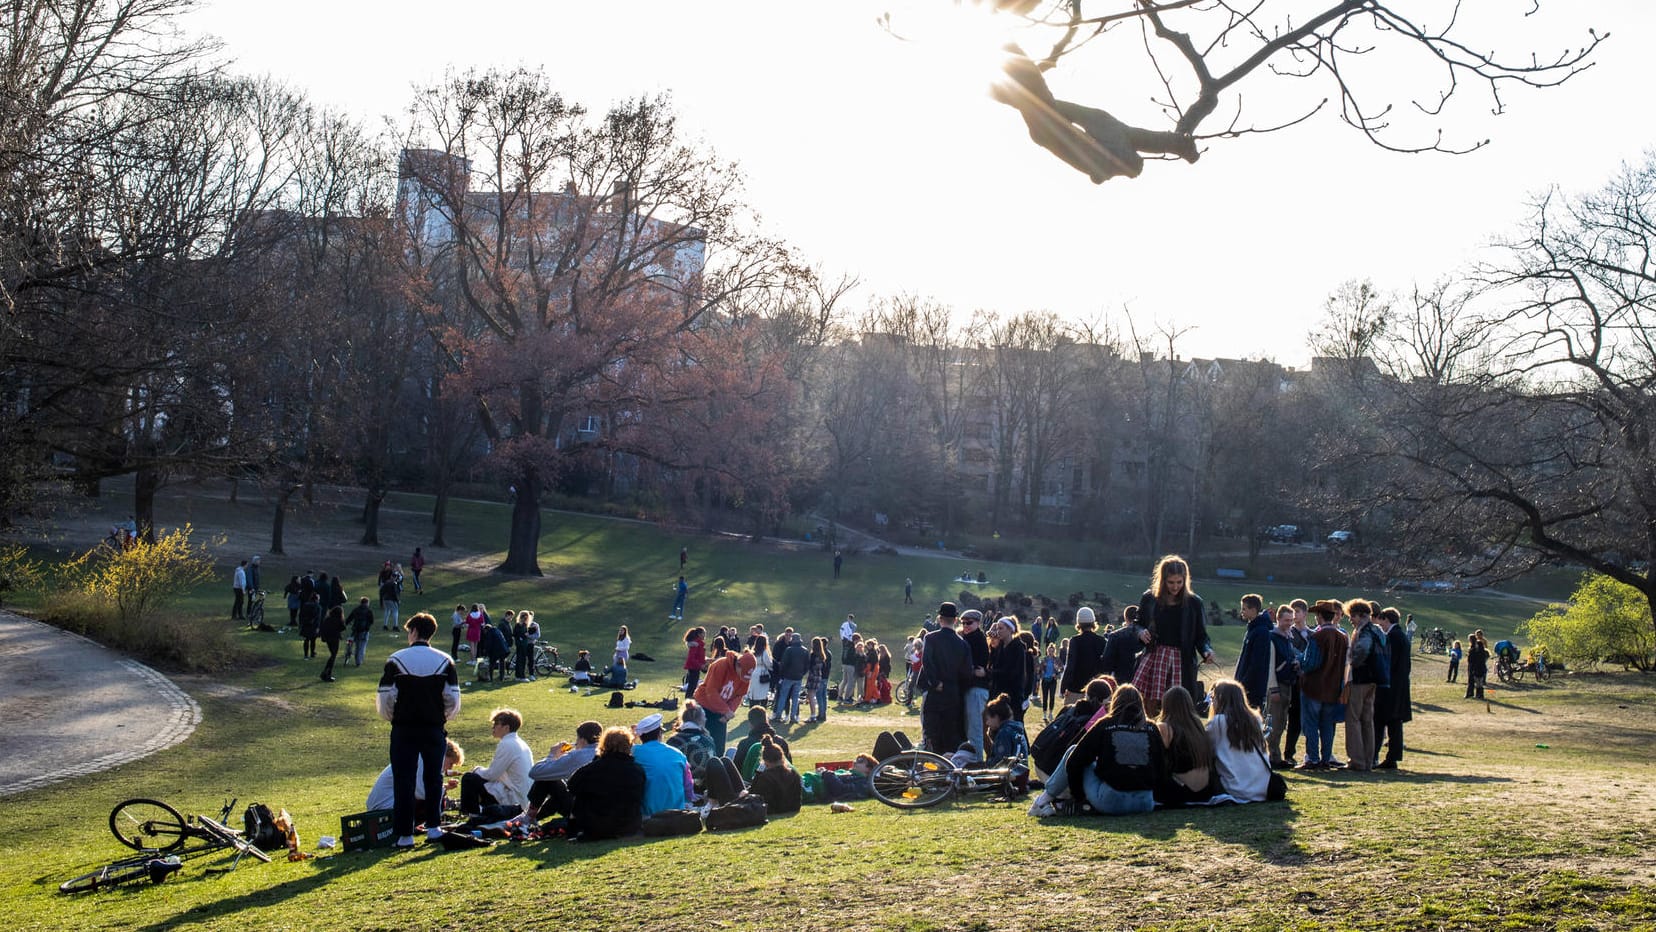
pixel 1386 69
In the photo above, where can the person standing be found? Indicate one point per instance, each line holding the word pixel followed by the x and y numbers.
pixel 792 665
pixel 333 625
pixel 362 622
pixel 416 564
pixel 908 591
pixel 1085 658
pixel 623 647
pixel 310 622
pixel 817 676
pixel 1121 648
pixel 1322 667
pixel 390 597
pixel 253 577
pixel 1454 662
pixel 848 638
pixel 977 692
pixel 695 658
pixel 1393 705
pixel 238 588
pixel 684 558
pixel 721 693
pixel 1175 633
pixel 1370 659
pixel 419 692
pixel 1477 664
pixel 1282 690
pixel 1298 637
pixel 680 591
pixel 945 674
pixel 291 592
pixel 839 558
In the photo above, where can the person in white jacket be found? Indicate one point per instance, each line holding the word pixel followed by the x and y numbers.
pixel 505 782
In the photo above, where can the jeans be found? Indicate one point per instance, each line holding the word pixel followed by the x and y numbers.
pixel 1454 670
pixel 716 730
pixel 787 699
pixel 678 606
pixel 411 745
pixel 1100 795
pixel 976 698
pixel 390 618
pixel 1317 721
pixel 361 647
pixel 822 700
pixel 1049 693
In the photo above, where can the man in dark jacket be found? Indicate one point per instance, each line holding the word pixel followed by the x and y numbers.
pixel 418 693
pixel 945 674
pixel 1253 663
pixel 977 694
pixel 792 661
pixel 1086 656
pixel 1392 705
pixel 1121 648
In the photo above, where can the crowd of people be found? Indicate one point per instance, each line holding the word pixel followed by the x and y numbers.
pixel 1132 725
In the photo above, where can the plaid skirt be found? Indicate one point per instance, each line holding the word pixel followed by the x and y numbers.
pixel 1159 671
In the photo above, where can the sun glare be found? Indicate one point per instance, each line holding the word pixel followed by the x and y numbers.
pixel 956 45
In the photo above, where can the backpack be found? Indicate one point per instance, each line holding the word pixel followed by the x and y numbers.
pixel 616 699
pixel 259 827
pixel 745 811
pixel 1049 746
pixel 1370 654
pixel 673 822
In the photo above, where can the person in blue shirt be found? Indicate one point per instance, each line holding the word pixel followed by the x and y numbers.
pixel 667 783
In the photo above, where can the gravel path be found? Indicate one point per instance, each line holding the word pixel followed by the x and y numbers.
pixel 71 707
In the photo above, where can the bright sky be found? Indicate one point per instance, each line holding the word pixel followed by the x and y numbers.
pixel 883 159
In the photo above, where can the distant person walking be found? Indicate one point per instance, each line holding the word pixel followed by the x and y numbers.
pixel 839 559
pixel 416 565
pixel 684 557
pixel 333 625
pixel 680 591
pixel 390 598
pixel 908 592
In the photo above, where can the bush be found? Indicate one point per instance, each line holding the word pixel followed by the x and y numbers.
pixel 119 598
pixel 1604 622
pixel 18 573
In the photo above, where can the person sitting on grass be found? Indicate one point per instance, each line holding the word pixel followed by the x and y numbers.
pixel 1190 776
pixel 606 797
pixel 692 740
pixel 667 783
pixel 1115 765
pixel 583 669
pixel 1238 743
pixel 1008 742
pixel 549 793
pixel 382 795
pixel 747 754
pixel 505 783
pixel 778 783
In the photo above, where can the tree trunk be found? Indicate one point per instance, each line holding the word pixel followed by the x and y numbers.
pixel 523 547
pixel 439 516
pixel 370 517
pixel 279 522
pixel 145 483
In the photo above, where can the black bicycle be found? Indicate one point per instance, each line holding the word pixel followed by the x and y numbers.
pixel 151 867
pixel 255 608
pixel 150 825
pixel 915 779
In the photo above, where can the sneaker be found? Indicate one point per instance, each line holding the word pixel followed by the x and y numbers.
pixel 1308 765
pixel 1042 807
pixel 405 843
pixel 1332 764
pixel 1386 765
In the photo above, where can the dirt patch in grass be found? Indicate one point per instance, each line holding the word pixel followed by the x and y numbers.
pixel 202 687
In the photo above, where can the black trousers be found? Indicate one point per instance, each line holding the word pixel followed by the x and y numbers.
pixel 1293 735
pixel 943 724
pixel 411 744
pixel 551 797
pixel 474 793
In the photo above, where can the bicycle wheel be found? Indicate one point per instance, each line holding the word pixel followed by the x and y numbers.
pixel 129 870
pixel 256 616
pixel 913 779
pixel 543 666
pixel 147 825
pixel 903 693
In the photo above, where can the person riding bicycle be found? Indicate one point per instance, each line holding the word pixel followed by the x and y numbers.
pixel 1506 650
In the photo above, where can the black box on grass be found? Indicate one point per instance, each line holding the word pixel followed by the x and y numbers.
pixel 366 830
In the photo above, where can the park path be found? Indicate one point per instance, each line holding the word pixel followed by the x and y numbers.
pixel 69 707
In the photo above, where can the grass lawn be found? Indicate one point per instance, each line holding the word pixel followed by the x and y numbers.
pixel 1535 811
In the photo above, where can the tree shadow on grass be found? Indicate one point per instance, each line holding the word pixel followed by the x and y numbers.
pixel 321 871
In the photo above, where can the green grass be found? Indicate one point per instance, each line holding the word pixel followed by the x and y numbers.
pixel 1483 829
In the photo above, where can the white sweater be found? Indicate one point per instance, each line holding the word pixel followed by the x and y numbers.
pixel 507 775
pixel 1244 774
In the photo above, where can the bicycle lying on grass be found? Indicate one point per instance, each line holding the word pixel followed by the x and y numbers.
pixel 165 837
pixel 915 779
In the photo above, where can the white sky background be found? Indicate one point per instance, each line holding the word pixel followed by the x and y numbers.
pixel 884 159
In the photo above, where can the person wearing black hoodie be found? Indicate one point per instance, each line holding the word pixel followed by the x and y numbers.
pixel 1086 655
pixel 792 662
pixel 1122 646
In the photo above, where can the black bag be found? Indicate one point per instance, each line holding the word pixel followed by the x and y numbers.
pixel 616 699
pixel 673 822
pixel 1276 788
pixel 259 827
pixel 745 811
pixel 1049 746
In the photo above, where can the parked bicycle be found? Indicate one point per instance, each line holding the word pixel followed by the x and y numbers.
pixel 255 608
pixel 915 779
pixel 547 661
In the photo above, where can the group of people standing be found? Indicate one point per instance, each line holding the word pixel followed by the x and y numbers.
pixel 495 645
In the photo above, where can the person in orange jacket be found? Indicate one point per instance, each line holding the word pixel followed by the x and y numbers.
pixel 721 693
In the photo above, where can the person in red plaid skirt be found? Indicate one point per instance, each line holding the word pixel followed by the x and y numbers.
pixel 1175 633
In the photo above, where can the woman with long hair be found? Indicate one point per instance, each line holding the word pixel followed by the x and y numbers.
pixel 1116 764
pixel 1175 632
pixel 759 686
pixel 1238 739
pixel 623 648
pixel 1190 777
pixel 817 675
pixel 695 658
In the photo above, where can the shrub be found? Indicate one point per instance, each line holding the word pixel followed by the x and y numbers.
pixel 119 598
pixel 1604 622
pixel 18 572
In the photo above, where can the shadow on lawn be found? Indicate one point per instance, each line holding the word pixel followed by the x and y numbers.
pixel 324 870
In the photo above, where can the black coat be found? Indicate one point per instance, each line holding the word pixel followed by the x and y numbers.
pixel 1085 661
pixel 1392 704
pixel 945 667
pixel 1009 667
pixel 1121 648
pixel 607 798
pixel 1193 636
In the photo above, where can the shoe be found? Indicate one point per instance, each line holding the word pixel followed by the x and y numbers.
pixel 1308 765
pixel 1386 765
pixel 405 843
pixel 1281 765
pixel 457 841
pixel 1042 806
pixel 793 721
pixel 1332 764
pixel 432 834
